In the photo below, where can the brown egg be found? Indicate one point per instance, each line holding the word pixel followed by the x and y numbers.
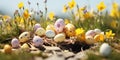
pixel 89 40
pixel 70 30
pixel 7 49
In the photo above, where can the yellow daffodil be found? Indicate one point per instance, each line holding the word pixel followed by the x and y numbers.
pixel 51 15
pixel 26 14
pixel 72 4
pixel 99 37
pixel 87 15
pixel 67 21
pixel 114 24
pixel 21 20
pixel 114 13
pixel 8 27
pixel 115 5
pixel 20 5
pixel 101 6
pixel 79 31
pixel 65 8
pixel 109 34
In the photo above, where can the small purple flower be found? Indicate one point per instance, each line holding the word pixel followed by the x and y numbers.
pixel 85 11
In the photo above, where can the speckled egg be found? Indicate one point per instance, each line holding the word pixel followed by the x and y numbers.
pixel 36 26
pixel 15 43
pixel 105 49
pixel 59 37
pixel 50 33
pixel 37 41
pixel 90 33
pixel 50 27
pixel 40 32
pixel 59 25
pixel 70 30
pixel 89 40
pixel 24 37
pixel 7 49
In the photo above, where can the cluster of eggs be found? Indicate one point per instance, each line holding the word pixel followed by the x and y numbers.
pixel 92 36
pixel 58 32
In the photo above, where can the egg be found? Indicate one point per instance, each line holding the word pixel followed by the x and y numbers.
pixel 25 47
pixel 15 43
pixel 50 27
pixel 37 41
pixel 36 26
pixel 70 30
pixel 97 31
pixel 105 49
pixel 59 38
pixel 50 33
pixel 90 33
pixel 7 49
pixel 89 40
pixel 40 32
pixel 59 25
pixel 24 37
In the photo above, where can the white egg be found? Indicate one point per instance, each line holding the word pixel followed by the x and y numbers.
pixel 98 31
pixel 105 49
pixel 59 38
pixel 50 33
pixel 40 32
pixel 15 43
pixel 37 41
pixel 24 37
pixel 90 33
pixel 89 40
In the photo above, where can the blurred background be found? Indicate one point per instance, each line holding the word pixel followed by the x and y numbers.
pixel 7 7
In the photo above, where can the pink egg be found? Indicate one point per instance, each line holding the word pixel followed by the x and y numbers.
pixel 90 33
pixel 59 25
pixel 15 43
pixel 37 26
pixel 37 41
